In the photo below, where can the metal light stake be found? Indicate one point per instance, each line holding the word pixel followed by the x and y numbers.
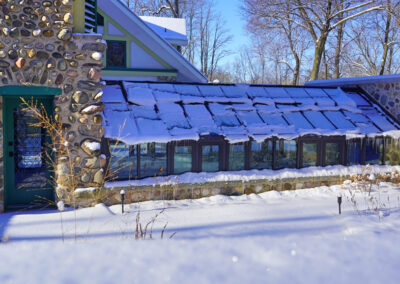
pixel 122 192
pixel 339 201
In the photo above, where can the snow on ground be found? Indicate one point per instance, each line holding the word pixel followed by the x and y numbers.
pixel 274 237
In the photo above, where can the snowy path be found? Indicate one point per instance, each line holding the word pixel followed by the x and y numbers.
pixel 287 237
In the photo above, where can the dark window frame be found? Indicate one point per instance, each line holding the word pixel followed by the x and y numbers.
pixel 165 172
pixel 341 140
pixel 246 156
pixel 362 150
pixel 309 139
pixel 171 152
pixel 211 141
pixel 275 153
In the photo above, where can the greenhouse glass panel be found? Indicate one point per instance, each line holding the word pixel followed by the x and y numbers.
pixel 286 154
pixel 261 155
pixel 353 152
pixel 153 159
pixel 332 153
pixel 237 157
pixel 374 151
pixel 123 161
pixel 210 158
pixel 392 151
pixel 182 159
pixel 310 154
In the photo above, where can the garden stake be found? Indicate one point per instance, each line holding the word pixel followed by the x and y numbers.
pixel 122 192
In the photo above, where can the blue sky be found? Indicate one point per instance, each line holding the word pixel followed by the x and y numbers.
pixel 230 10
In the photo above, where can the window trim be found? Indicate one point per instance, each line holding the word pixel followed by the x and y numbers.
pixel 309 140
pixel 210 141
pixel 171 154
pixel 341 140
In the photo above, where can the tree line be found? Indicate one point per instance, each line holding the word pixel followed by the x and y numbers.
pixel 291 41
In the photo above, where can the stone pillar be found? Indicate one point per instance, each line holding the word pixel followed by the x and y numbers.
pixel 38 48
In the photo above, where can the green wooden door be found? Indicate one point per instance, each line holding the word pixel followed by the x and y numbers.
pixel 27 177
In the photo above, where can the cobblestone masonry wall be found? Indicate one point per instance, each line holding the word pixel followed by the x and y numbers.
pixel 112 195
pixel 38 48
pixel 387 95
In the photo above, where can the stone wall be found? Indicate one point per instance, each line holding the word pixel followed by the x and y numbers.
pixel 111 195
pixel 38 48
pixel 387 95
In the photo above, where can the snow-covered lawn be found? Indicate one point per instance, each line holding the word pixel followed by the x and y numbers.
pixel 275 237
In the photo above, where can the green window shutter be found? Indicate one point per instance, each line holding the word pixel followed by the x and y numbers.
pixel 90 16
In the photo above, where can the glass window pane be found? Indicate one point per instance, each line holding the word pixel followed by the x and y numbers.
pixel 182 159
pixel 153 159
pixel 116 54
pixel 123 161
pixel 332 154
pixel 374 149
pixel 286 154
pixel 392 151
pixel 210 158
pixel 236 157
pixel 310 154
pixel 261 155
pixel 353 152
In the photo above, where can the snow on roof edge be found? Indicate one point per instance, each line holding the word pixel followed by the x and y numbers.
pixel 342 82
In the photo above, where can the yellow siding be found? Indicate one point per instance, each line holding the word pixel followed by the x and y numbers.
pixel 79 16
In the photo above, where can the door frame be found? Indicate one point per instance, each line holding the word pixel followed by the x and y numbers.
pixel 15 93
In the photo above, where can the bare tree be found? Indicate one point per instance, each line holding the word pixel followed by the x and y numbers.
pixel 318 17
pixel 376 42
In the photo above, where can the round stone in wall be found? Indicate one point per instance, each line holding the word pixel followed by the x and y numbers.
pixel 80 97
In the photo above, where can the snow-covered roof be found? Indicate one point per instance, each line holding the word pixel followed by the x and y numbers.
pixel 342 82
pixel 163 112
pixel 171 29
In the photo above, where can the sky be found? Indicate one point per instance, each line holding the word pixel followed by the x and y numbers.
pixel 230 11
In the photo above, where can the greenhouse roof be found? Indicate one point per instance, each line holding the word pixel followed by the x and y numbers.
pixel 163 112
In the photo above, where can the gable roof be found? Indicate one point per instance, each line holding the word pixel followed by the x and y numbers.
pixel 163 112
pixel 125 17
pixel 171 29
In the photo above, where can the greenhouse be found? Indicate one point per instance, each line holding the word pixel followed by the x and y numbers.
pixel 157 129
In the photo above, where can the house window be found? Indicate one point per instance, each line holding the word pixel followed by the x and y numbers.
pixel 237 157
pixel 153 159
pixel 353 152
pixel 392 151
pixel 286 153
pixel 183 159
pixel 310 154
pixel 210 158
pixel 332 153
pixel 261 155
pixel 100 20
pixel 116 53
pixel 374 151
pixel 123 161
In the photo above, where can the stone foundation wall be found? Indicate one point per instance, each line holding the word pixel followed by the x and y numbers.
pixel 387 95
pixel 38 48
pixel 111 196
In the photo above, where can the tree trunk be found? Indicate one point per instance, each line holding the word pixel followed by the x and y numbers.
pixel 318 53
pixel 296 72
pixel 385 44
pixel 339 45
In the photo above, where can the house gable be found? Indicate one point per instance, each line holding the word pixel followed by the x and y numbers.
pixel 157 59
